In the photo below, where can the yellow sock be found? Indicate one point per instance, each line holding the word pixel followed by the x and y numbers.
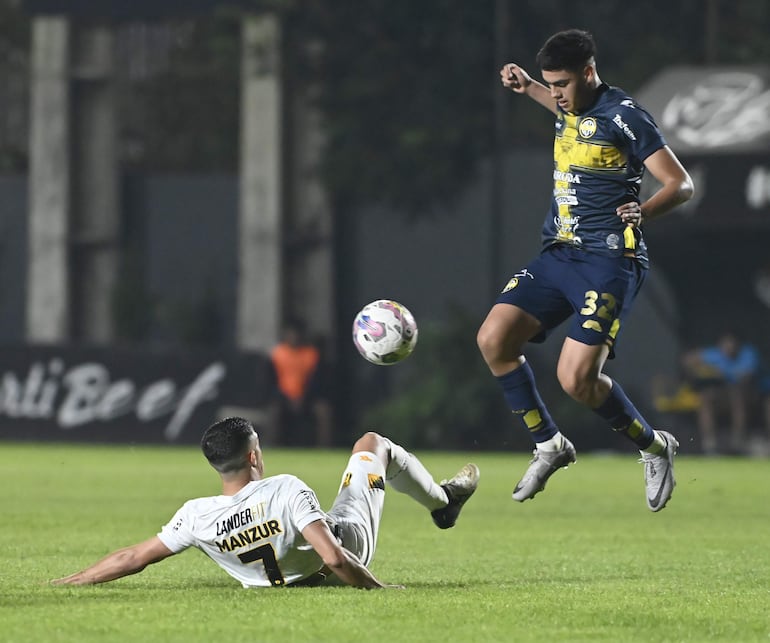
pixel 658 444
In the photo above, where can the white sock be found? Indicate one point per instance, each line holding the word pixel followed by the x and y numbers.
pixel 407 474
pixel 552 444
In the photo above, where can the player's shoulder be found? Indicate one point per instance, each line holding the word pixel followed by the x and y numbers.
pixel 279 485
pixel 200 506
pixel 615 97
pixel 283 478
pixel 626 116
pixel 293 493
pixel 284 482
pixel 617 101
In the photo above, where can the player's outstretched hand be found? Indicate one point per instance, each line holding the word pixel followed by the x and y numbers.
pixel 515 78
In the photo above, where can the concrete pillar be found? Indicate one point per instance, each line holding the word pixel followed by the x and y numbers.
pixel 49 182
pixel 95 219
pixel 310 264
pixel 260 300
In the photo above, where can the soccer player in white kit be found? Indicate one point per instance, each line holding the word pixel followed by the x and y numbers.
pixel 271 531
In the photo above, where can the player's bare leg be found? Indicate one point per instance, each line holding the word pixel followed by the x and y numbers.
pixel 579 372
pixel 502 336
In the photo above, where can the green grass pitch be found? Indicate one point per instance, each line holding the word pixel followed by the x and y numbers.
pixel 584 561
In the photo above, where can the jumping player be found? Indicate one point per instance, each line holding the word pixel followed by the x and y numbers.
pixel 592 262
pixel 268 532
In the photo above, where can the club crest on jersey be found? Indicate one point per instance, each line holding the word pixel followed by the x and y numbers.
pixel 587 127
pixel 613 241
pixel 512 283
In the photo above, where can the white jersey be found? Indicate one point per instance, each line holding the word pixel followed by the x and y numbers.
pixel 255 535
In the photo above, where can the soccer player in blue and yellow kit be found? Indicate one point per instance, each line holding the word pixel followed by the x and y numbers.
pixel 592 263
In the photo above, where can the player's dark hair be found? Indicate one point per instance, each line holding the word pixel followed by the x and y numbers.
pixel 570 50
pixel 225 443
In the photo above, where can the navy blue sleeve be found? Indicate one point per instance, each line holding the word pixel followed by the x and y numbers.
pixel 637 131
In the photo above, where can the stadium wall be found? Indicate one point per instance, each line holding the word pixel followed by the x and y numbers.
pixel 180 240
pixel 109 394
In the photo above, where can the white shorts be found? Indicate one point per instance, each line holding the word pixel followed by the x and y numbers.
pixel 357 509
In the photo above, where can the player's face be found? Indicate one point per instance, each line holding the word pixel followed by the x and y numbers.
pixel 571 89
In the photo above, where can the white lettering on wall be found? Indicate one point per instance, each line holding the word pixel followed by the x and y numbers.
pixel 83 393
pixel 722 109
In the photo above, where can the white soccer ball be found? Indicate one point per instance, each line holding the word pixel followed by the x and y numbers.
pixel 384 332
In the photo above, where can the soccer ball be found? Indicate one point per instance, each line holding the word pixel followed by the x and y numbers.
pixel 384 332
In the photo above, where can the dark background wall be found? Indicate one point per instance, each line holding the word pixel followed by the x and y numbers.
pixel 436 179
pixel 177 284
pixel 13 256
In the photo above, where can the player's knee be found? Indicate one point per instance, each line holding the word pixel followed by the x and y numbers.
pixel 372 442
pixel 369 441
pixel 482 339
pixel 577 387
pixel 490 343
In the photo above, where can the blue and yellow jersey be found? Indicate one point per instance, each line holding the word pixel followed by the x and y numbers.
pixel 598 160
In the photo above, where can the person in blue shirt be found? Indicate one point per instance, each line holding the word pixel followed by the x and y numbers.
pixel 727 376
pixel 592 262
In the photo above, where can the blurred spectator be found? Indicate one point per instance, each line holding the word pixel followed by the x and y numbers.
pixel 302 414
pixel 726 377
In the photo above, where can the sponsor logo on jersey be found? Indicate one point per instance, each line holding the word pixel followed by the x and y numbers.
pixel 587 127
pixel 259 510
pixel 568 177
pixel 375 481
pixel 625 128
pixel 566 229
pixel 239 519
pixel 310 498
pixel 365 458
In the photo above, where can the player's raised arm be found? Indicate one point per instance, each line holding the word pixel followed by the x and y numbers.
pixel 516 79
pixel 338 559
pixel 122 562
